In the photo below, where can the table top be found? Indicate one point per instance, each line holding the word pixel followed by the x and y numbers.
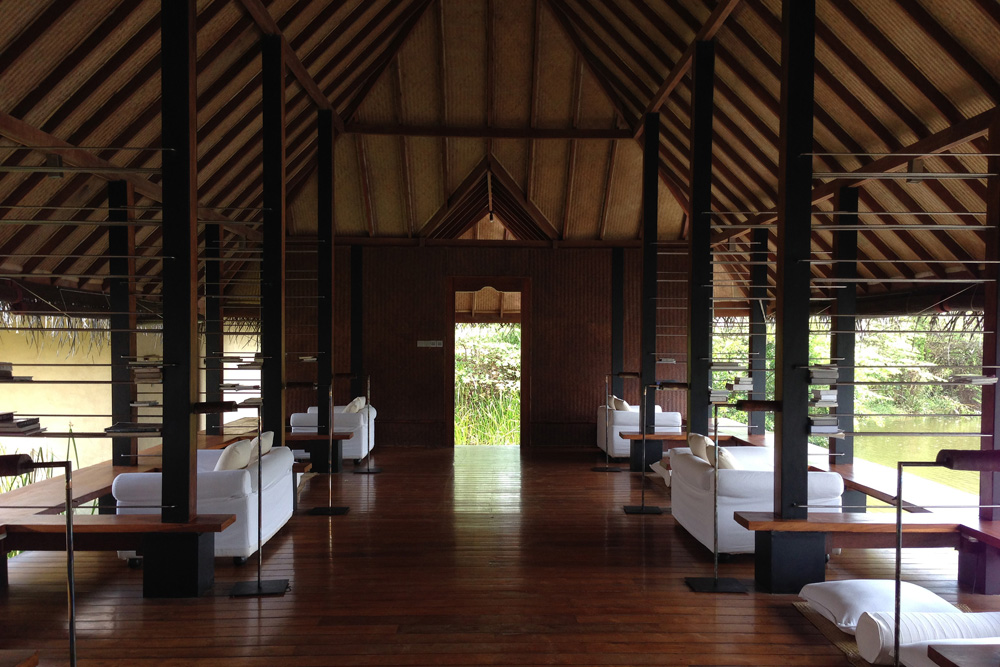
pixel 964 655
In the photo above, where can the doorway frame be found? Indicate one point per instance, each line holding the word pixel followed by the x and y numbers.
pixel 502 284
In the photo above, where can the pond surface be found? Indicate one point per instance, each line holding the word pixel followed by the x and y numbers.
pixel 888 450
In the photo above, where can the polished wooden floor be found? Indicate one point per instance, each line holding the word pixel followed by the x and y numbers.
pixel 452 557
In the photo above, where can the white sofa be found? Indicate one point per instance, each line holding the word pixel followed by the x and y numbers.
pixel 223 492
pixel 749 489
pixel 628 420
pixel 361 441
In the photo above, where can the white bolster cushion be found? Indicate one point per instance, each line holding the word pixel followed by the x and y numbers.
pixel 874 632
pixel 843 602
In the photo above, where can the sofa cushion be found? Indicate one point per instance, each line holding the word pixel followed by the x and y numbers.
pixel 620 403
pixel 726 460
pixel 699 445
pixel 355 405
pixel 235 456
pixel 875 630
pixel 267 437
pixel 843 602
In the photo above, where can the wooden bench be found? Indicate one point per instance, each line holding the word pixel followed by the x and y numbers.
pixel 109 532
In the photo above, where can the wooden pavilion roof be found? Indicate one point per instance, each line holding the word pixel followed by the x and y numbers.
pixel 513 119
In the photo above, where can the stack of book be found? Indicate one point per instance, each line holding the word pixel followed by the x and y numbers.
pixel 718 395
pixel 252 402
pixel 823 374
pixel 7 373
pixel 11 426
pixel 254 364
pixel 972 379
pixel 823 424
pixel 824 398
pixel 740 383
pixel 147 369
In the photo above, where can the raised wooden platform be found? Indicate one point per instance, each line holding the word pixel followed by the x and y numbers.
pixel 848 530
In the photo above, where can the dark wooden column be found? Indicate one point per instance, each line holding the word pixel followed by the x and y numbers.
pixel 324 273
pixel 213 324
pixel 357 321
pixel 787 561
pixel 272 302
pixel 758 325
pixel 121 289
pixel 647 313
pixel 700 248
pixel 845 252
pixel 180 280
pixel 617 320
pixel 978 566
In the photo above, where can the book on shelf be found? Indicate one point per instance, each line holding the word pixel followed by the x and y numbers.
pixel 256 364
pixel 740 384
pixel 970 378
pixel 254 402
pixel 6 370
pixel 728 365
pixel 149 360
pixel 308 357
pixel 22 426
pixel 133 427
pixel 718 395
pixel 143 404
pixel 824 394
pixel 823 404
pixel 666 360
pixel 16 378
pixel 823 430
pixel 824 420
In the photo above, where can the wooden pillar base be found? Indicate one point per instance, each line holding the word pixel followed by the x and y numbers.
pixel 978 567
pixel 852 497
pixel 177 565
pixel 653 453
pixel 785 562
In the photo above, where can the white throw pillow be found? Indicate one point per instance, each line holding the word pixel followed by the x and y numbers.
pixel 620 403
pixel 699 445
pixel 235 456
pixel 875 630
pixel 726 460
pixel 843 602
pixel 267 437
pixel 355 406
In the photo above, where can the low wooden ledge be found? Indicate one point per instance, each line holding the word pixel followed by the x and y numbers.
pixel 115 524
pixel 854 530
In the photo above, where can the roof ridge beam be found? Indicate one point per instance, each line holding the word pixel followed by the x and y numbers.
pixel 21 132
pixel 487 132
pixel 267 25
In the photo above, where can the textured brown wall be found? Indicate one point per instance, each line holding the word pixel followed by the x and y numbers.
pixel 405 297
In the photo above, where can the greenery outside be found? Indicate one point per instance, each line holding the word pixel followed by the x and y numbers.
pixel 924 349
pixel 487 384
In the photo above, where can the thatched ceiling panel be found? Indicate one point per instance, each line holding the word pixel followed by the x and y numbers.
pixel 231 77
pixel 554 105
pixel 348 202
pixel 385 171
pixel 935 61
pixel 302 209
pixel 243 130
pixel 623 207
pixel 513 155
pixel 463 156
pixel 589 182
pixel 669 226
pixel 426 174
pixel 420 76
pixel 513 34
pixel 548 187
pixel 465 62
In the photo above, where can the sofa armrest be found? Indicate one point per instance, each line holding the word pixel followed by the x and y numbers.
pixel 144 488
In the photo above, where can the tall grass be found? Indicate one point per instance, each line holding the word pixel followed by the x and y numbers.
pixel 487 384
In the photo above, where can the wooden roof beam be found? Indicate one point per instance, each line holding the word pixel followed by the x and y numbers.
pixel 487 132
pixel 267 25
pixel 683 65
pixel 20 132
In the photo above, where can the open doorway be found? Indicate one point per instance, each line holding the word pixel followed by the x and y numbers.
pixel 489 379
pixel 487 382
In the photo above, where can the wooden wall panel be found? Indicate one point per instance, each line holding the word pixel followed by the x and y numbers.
pixel 406 300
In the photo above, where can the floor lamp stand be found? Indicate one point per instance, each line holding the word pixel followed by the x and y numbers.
pixel 607 467
pixel 368 470
pixel 259 588
pixel 330 509
pixel 715 584
pixel 643 508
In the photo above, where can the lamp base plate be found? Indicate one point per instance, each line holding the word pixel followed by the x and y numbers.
pixel 328 511
pixel 253 589
pixel 367 471
pixel 605 469
pixel 642 509
pixel 712 585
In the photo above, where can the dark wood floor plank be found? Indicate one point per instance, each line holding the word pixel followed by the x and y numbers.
pixel 479 556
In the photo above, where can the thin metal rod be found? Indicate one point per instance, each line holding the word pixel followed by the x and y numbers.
pixel 902 154
pixel 898 175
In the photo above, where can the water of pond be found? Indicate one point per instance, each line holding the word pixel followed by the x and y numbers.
pixel 888 450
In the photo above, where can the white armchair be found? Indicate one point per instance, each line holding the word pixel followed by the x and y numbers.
pixel 362 428
pixel 628 420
